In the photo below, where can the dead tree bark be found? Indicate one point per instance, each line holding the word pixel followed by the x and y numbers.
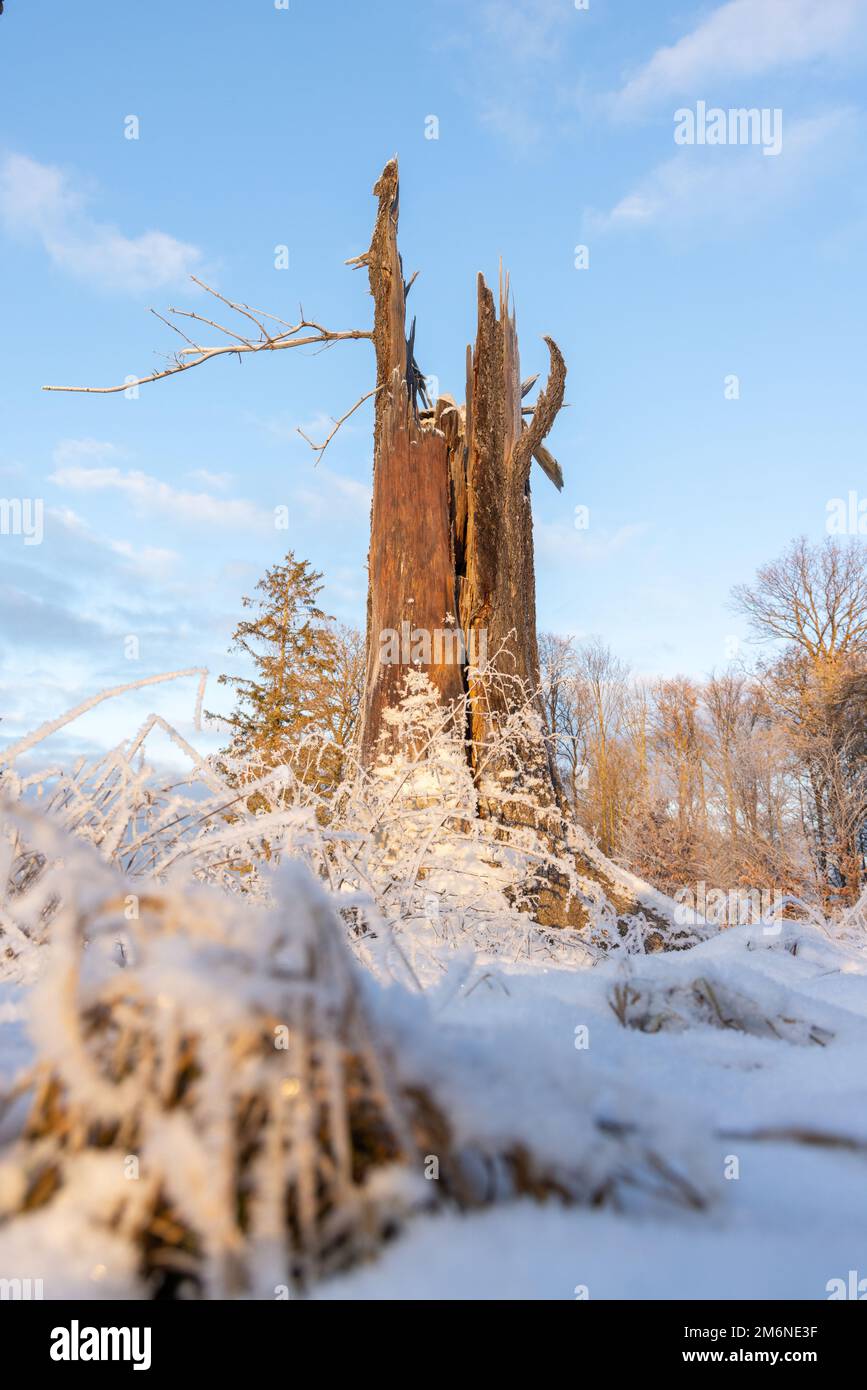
pixel 451 523
pixel 411 584
pixel 452 533
pixel 497 585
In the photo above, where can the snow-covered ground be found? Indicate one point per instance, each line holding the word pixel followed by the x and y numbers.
pixel 773 1129
pixel 715 1096
pixel 794 1217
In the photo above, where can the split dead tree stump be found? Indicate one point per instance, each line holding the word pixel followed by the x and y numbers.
pixel 452 534
pixel 451 549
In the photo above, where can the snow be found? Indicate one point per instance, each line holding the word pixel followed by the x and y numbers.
pixel 793 1219
pixel 497 1042
pixel 717 1094
pixel 776 1240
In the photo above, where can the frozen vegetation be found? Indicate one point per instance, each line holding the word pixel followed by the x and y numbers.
pixel 253 1046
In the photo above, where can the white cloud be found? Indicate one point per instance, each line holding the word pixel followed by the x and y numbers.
pixel 742 39
pixel 88 466
pixel 151 561
pixel 39 201
pixel 728 186
pixel 528 31
pixel 220 481
pixel 70 451
pixel 149 495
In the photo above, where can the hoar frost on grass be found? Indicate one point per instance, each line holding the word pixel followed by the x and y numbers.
pixel 217 1069
pixel 157 936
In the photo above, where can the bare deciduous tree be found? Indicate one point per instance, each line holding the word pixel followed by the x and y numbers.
pixel 814 597
pixel 814 601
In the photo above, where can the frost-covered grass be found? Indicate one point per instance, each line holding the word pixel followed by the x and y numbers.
pixel 701 1112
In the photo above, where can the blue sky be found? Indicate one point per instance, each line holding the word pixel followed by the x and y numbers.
pixel 262 127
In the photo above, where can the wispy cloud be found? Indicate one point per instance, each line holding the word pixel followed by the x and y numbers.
pixel 155 562
pixel 26 614
pixel 530 31
pixel 153 496
pixel 72 602
pixel 39 201
pixel 218 481
pixel 744 38
pixel 72 451
pixel 511 50
pixel 725 187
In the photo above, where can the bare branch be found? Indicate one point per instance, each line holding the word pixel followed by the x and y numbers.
pixel 305 333
pixel 320 448
pixel 263 313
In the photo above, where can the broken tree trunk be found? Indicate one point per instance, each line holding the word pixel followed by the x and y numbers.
pixel 451 534
pixel 451 541
pixel 451 524
pixel 494 536
pixel 451 556
pixel 490 458
pixel 411 585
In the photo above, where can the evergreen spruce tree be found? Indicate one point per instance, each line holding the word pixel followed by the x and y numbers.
pixel 293 650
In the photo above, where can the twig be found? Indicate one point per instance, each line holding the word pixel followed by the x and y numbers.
pixel 320 448
pixel 237 308
pixel 174 328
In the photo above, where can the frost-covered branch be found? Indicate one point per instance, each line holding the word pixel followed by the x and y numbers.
pixel 23 745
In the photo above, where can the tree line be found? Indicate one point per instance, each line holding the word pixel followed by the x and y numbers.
pixel 755 776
